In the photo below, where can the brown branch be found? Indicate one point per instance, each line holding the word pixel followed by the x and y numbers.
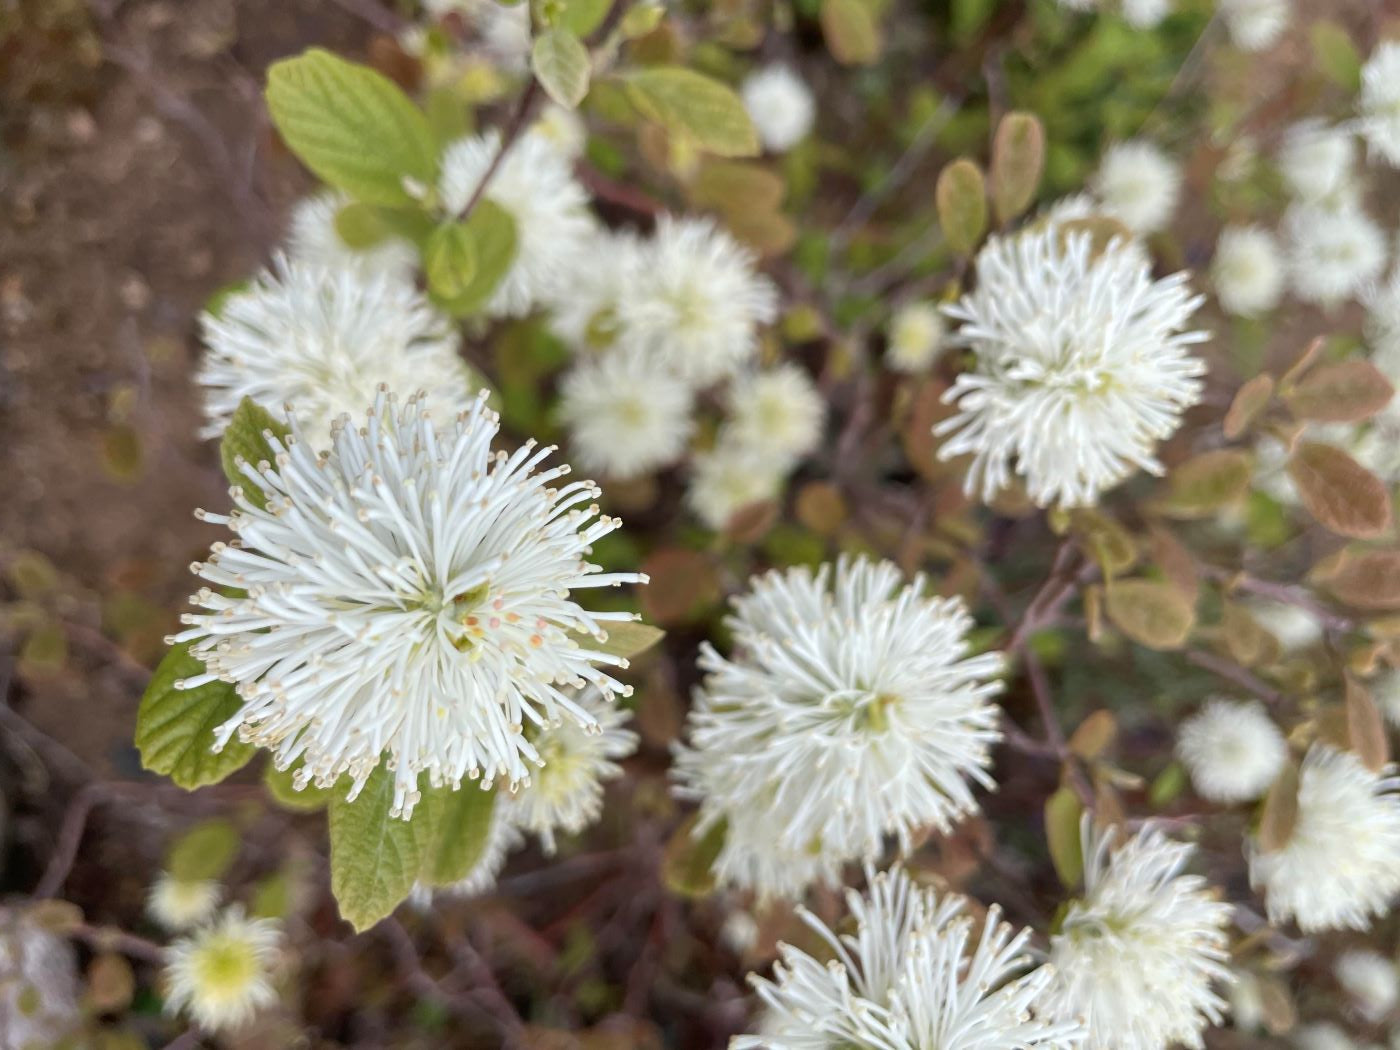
pixel 512 132
pixel 109 938
pixel 1233 672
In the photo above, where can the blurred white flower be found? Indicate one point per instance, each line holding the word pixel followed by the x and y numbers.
pixel 409 592
pixel 535 184
pixel 697 301
pixel 1082 367
pixel 913 976
pixel 504 29
pixel 1341 865
pixel 1382 302
pixel 729 477
pixel 562 128
pixel 915 337
pixel 1380 102
pixel 220 975
pixel 1332 252
pixel 781 106
pixel 1323 1035
pixel 1254 25
pixel 1246 1002
pixel 1233 750
pixel 850 711
pixel 323 341
pixel 1141 954
pixel 40 1004
pixel 584 307
pixel 739 933
pixel 1138 184
pixel 777 413
pixel 1371 981
pixel 313 239
pixel 1293 626
pixel 566 794
pixel 1248 270
pixel 1385 688
pixel 1145 14
pixel 626 414
pixel 1318 162
pixel 178 904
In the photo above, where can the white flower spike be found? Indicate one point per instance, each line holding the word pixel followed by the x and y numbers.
pixel 409 592
pixel 781 106
pixel 850 711
pixel 179 904
pixel 1083 365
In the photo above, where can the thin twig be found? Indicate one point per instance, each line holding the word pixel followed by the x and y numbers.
pixel 70 837
pixel 512 132
pixel 1234 673
pixel 109 938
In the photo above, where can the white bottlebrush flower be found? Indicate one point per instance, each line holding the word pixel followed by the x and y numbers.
pixel 1382 302
pixel 1233 750
pixel 1254 25
pixel 850 711
pixel 40 1004
pixel 781 106
pixel 1145 14
pixel 1293 627
pixel 504 29
pixel 626 415
pixel 535 185
pixel 913 976
pixel 1082 367
pixel 728 478
pixel 408 591
pixel 1385 688
pixel 179 904
pixel 1138 184
pixel 1142 954
pixel 1341 865
pixel 566 794
pixel 778 413
pixel 1371 981
pixel 697 301
pixel 220 975
pixel 1248 270
pixel 1318 162
pixel 584 308
pixel 562 128
pixel 915 337
pixel 1332 252
pixel 314 240
pixel 1380 102
pixel 323 341
pixel 501 838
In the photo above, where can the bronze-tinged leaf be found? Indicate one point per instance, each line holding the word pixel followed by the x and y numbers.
pixel 1110 543
pixel 1250 400
pixel 1368 580
pixel 1365 729
pixel 751 523
pixel 1175 561
pixel 1276 1006
pixel 821 507
pixel 1305 361
pixel 1205 483
pixel 1279 814
pixel 1339 492
pixel 1151 613
pixel 851 31
pixel 1094 736
pixel 1342 393
pixel 1018 161
pixel 680 585
pixel 1249 644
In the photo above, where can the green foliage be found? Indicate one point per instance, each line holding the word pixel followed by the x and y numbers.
pixel 488 239
pixel 245 440
pixel 462 827
pixel 175 727
pixel 353 127
pixel 961 195
pixel 695 106
pixel 562 66
pixel 279 784
pixel 203 852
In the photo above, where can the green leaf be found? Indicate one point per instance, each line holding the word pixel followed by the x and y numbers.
pixel 1153 614
pixel 683 101
pixel 1062 833
pixel 851 32
pixel 375 857
pixel 463 826
pixel 581 17
pixel 1205 483
pixel 688 862
pixel 491 231
pixel 279 784
pixel 449 260
pixel 961 195
pixel 245 439
pixel 626 639
pixel 175 727
pixel 361 225
pixel 1335 54
pixel 351 126
pixel 562 66
pixel 203 852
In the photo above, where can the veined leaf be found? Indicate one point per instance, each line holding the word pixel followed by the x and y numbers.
pixel 175 727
